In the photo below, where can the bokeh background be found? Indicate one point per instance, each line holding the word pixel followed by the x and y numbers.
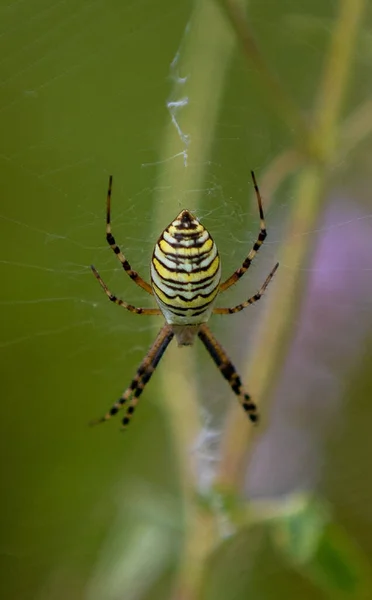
pixel 179 101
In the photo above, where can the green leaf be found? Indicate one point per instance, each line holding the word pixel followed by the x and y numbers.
pixel 302 529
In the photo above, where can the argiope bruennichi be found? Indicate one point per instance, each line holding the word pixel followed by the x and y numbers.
pixel 185 280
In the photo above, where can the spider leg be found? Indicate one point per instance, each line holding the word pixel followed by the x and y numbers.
pixel 256 246
pixel 113 298
pixel 228 371
pixel 112 243
pixel 252 300
pixel 143 375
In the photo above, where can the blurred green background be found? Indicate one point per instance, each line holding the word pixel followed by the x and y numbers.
pixel 91 513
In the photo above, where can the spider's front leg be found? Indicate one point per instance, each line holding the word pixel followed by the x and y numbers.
pixel 256 246
pixel 115 248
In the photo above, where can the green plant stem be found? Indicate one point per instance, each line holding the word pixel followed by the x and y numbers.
pixel 281 101
pixel 335 78
pixel 205 54
pixel 275 330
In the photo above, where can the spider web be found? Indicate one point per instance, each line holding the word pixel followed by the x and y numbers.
pixel 88 90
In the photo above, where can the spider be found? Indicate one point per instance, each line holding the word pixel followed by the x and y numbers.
pixel 185 281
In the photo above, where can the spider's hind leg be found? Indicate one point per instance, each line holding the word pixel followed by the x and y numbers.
pixel 228 371
pixel 143 375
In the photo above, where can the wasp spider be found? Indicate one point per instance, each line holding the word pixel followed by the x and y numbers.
pixel 185 281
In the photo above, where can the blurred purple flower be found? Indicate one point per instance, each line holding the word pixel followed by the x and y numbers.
pixel 333 324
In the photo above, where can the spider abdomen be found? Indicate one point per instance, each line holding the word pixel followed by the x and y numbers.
pixel 185 271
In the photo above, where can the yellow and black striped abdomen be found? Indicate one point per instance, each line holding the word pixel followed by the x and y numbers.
pixel 185 271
